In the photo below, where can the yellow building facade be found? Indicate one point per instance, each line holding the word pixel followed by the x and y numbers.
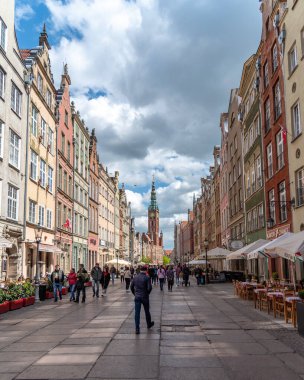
pixel 41 162
pixel 292 47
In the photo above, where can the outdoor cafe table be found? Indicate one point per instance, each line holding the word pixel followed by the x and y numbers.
pixel 256 294
pixel 290 302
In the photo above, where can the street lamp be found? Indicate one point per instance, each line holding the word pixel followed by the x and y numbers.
pixel 117 256
pixel 206 244
pixel 38 236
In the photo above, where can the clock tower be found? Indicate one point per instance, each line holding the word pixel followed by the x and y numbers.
pixel 153 217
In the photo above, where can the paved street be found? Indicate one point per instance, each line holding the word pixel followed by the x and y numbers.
pixel 199 333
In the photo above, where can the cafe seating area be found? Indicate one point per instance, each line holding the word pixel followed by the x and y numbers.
pixel 277 297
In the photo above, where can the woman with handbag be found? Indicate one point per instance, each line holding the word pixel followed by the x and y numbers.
pixel 72 279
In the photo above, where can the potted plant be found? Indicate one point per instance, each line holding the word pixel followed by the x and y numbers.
pixel 49 290
pixel 28 294
pixel 4 304
pixel 15 296
pixel 300 313
pixel 275 276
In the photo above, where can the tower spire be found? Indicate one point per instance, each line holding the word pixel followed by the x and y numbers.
pixel 153 203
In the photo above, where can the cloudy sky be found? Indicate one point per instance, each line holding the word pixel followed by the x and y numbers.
pixel 152 77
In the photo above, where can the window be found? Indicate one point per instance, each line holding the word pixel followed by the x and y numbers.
pixel 235 143
pixel 269 160
pixel 70 186
pixel 63 143
pixel 16 97
pixel 32 212
pixel 275 62
pixel 277 100
pixel 76 192
pixel 60 177
pixel 280 150
pixel 66 117
pixel 267 115
pixel 42 173
pixel 261 220
pixel 50 179
pixel 259 171
pixel 34 164
pixel 282 197
pixel 14 149
pixel 271 200
pixel 296 121
pixel 51 140
pixel 80 225
pixel 43 132
pixel 2 83
pixel 3 33
pixel 292 59
pixel 34 120
pixel 1 138
pixel 41 215
pixel 241 198
pixel 249 221
pixel 69 152
pixel 48 98
pixel 266 75
pixel 39 82
pixel 49 219
pixel 76 223
pixel 254 219
pixel 59 215
pixel 65 181
pixel 12 202
pixel 81 196
pixel 300 187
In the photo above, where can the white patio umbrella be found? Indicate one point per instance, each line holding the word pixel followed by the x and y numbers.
pixel 216 253
pixel 119 262
pixel 289 248
pixel 198 262
pixel 242 253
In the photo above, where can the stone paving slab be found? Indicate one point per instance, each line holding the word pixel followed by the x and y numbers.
pixel 199 333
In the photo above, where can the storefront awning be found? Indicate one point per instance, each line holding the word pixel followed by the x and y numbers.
pixel 4 243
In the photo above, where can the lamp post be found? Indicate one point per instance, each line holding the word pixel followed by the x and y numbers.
pixel 38 236
pixel 206 244
pixel 117 255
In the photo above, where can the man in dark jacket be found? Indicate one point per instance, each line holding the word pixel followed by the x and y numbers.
pixel 96 274
pixel 141 288
pixel 57 278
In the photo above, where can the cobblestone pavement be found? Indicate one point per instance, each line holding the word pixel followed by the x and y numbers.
pixel 199 333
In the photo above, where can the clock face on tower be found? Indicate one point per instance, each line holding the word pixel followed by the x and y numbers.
pixel 152 214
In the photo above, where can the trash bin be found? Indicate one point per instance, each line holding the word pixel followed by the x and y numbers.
pixel 42 292
pixel 203 279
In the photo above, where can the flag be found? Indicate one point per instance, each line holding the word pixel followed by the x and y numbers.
pixel 67 224
pixel 284 134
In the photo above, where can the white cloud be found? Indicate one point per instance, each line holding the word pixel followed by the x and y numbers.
pixel 166 68
pixel 23 12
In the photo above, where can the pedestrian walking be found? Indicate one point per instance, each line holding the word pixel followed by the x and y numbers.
pixel 186 273
pixel 113 273
pixel 122 274
pixel 82 278
pixel 96 277
pixel 57 278
pixel 127 278
pixel 72 279
pixel 170 278
pixel 105 280
pixel 151 273
pixel 198 275
pixel 161 274
pixel 141 288
pixel 132 271
pixel 177 273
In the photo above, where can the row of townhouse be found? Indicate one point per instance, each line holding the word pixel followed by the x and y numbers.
pixel 255 188
pixel 53 189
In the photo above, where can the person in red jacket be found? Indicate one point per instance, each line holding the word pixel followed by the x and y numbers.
pixel 72 278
